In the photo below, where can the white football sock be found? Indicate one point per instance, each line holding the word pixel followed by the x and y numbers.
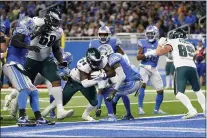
pixel 172 81
pixel 13 94
pixel 58 96
pixel 168 81
pixel 185 101
pixel 201 99
pixel 49 86
pixel 88 109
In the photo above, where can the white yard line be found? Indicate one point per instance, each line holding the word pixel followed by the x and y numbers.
pixel 81 106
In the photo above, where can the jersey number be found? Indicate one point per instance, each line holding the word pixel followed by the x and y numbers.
pixel 185 51
pixel 48 42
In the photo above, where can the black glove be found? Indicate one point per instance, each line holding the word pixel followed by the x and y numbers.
pixel 34 48
pixel 42 30
pixel 111 95
pixel 63 64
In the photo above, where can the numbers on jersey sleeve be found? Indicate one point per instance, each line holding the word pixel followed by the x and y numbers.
pixel 185 51
pixel 45 41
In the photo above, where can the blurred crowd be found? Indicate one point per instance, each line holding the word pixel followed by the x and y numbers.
pixel 84 18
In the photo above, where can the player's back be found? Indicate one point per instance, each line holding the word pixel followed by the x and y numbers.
pixel 19 54
pixel 113 42
pixel 183 53
pixel 148 46
pixel 130 72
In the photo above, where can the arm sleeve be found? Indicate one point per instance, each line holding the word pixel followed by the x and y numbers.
pixel 88 83
pixel 18 41
pixel 121 77
pixel 57 51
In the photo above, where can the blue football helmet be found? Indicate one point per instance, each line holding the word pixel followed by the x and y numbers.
pixel 104 34
pixel 67 56
pixel 152 33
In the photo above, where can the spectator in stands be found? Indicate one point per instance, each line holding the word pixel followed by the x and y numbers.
pixel 190 19
pixel 200 61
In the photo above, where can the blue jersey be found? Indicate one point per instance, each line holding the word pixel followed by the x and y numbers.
pixel 130 72
pixel 2 28
pixel 15 54
pixel 147 46
pixel 113 42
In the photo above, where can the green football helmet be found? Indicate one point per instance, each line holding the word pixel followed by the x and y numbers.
pixel 178 33
pixel 93 57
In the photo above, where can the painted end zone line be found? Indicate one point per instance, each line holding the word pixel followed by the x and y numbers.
pixel 46 90
pixel 149 117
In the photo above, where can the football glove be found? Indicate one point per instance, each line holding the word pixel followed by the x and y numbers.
pixel 150 53
pixel 111 95
pixel 64 73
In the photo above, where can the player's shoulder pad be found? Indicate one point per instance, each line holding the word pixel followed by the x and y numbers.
pixel 59 32
pixel 83 65
pixel 94 43
pixel 118 42
pixel 114 58
pixel 140 42
pixel 21 29
pixel 38 21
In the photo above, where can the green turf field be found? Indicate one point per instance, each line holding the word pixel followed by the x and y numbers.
pixel 170 105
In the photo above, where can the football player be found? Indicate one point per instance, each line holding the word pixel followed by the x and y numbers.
pixel 128 79
pixel 104 39
pixel 3 47
pixel 62 72
pixel 80 80
pixel 185 69
pixel 13 69
pixel 169 69
pixel 47 38
pixel 148 69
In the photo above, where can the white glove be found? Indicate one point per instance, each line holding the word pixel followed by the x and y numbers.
pixel 98 75
pixel 162 41
pixel 150 53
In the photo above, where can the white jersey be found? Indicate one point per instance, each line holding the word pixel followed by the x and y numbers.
pixel 183 52
pixel 45 42
pixel 83 65
pixel 169 57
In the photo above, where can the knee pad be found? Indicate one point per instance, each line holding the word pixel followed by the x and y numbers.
pixel 94 102
pixel 160 92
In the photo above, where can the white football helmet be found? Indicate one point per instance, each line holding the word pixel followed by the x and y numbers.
pixel 152 33
pixel 104 34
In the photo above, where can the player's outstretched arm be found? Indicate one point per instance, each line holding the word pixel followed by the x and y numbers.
pixel 58 53
pixel 18 41
pixel 163 50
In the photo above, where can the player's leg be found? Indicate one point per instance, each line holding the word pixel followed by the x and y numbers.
pixel 9 97
pixel 145 76
pixel 157 83
pixel 181 76
pixel 111 116
pixel 126 102
pixel 50 72
pixel 115 101
pixel 167 70
pixel 172 71
pixel 194 82
pixel 69 90
pixel 90 94
pixel 51 98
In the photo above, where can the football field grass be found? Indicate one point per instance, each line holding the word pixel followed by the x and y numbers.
pixel 170 105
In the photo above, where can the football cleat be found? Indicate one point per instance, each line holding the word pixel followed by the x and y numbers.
pixel 190 114
pixel 141 111
pixel 88 118
pixel 24 121
pixel 109 118
pixel 98 112
pixel 43 121
pixel 62 114
pixel 159 112
pixel 128 117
